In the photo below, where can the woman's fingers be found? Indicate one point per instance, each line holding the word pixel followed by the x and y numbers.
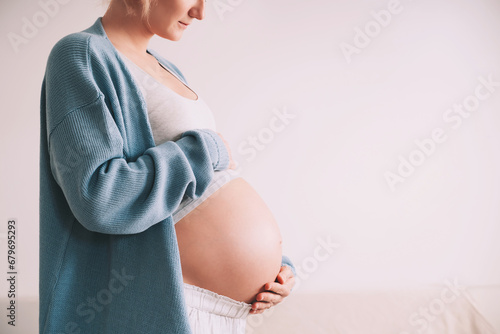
pixel 269 297
pixel 266 300
pixel 284 275
pixel 279 289
pixel 259 307
pixel 274 292
pixel 283 283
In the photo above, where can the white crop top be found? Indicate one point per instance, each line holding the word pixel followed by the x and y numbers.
pixel 171 114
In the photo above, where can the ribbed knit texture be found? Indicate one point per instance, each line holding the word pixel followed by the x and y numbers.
pixel 109 259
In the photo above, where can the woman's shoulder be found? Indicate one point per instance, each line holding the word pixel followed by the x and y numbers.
pixel 82 45
pixel 79 46
pixel 79 67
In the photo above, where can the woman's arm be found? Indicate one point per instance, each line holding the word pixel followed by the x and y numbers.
pixel 108 194
pixel 105 190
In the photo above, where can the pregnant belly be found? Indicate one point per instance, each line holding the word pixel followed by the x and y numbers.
pixel 231 243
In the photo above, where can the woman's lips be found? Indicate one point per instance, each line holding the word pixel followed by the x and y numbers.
pixel 184 25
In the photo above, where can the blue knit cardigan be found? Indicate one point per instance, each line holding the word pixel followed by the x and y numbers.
pixel 109 259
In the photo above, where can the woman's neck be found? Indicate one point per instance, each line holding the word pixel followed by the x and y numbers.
pixel 128 33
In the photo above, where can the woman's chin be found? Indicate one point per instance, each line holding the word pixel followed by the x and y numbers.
pixel 177 37
pixel 172 37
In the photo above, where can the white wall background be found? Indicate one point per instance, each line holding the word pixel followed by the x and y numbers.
pixel 323 174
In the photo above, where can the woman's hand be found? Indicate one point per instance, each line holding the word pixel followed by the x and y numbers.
pixel 232 164
pixel 274 291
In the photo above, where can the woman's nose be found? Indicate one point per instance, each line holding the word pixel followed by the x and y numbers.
pixel 198 10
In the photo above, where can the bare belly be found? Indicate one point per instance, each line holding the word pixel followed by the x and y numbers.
pixel 231 243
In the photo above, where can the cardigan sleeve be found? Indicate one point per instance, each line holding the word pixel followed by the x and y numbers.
pixel 106 191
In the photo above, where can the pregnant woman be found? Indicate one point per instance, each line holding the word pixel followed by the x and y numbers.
pixel 145 226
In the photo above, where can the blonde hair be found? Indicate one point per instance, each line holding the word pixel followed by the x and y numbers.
pixel 131 6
